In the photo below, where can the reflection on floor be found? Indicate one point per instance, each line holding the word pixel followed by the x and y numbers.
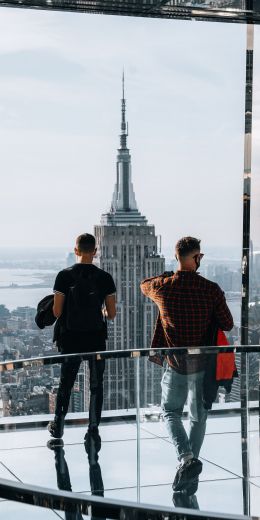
pixel 25 457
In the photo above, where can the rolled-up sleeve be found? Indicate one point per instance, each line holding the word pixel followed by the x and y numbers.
pixel 148 287
pixel 61 284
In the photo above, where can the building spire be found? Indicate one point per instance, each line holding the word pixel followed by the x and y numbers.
pixel 123 209
pixel 124 125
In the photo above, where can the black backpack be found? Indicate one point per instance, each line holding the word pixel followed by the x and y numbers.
pixel 44 316
pixel 83 307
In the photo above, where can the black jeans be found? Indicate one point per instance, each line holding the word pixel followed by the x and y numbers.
pixel 69 370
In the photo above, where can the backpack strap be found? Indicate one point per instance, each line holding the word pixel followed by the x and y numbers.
pixel 79 276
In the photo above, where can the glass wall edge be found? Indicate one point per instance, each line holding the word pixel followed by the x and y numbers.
pixel 58 500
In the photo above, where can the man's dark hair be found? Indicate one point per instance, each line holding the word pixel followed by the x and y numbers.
pixel 86 243
pixel 186 245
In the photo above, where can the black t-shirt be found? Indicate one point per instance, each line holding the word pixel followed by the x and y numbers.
pixel 78 341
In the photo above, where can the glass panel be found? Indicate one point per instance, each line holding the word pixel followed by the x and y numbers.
pixel 254 305
pixel 21 511
pixel 221 448
pixel 254 287
pixel 136 461
pixel 86 458
pixel 254 455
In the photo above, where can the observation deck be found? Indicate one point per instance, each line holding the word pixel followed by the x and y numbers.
pixel 136 463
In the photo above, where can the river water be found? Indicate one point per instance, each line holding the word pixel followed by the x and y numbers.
pixel 22 293
pixel 13 297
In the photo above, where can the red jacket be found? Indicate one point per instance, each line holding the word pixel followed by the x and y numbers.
pixel 225 365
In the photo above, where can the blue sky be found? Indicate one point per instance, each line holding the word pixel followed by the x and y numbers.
pixel 60 90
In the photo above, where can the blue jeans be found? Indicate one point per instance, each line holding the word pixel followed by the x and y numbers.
pixel 176 390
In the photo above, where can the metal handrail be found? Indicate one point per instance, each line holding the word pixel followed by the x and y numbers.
pixel 14 364
pixel 99 506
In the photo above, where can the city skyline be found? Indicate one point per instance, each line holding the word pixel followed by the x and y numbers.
pixel 59 107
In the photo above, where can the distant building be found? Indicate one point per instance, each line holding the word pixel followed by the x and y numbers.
pixel 127 248
pixel 70 259
pixel 13 324
pixel 36 403
pixel 52 399
pixel 77 400
pixel 26 314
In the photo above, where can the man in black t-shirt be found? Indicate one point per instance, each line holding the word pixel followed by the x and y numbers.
pixel 84 296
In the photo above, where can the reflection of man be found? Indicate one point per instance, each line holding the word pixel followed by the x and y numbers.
pixel 188 304
pixel 185 500
pixel 80 292
pixel 92 448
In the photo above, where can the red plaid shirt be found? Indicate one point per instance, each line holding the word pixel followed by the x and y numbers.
pixel 188 304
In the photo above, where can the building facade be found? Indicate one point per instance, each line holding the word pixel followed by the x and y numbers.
pixel 127 248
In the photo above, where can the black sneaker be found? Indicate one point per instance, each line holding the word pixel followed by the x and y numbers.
pixel 181 499
pixel 186 474
pixel 56 427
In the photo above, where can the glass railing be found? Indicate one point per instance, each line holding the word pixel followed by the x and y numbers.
pixel 132 456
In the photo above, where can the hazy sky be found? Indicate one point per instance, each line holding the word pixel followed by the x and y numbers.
pixel 60 90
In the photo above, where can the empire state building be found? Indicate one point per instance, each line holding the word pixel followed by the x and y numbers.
pixel 127 248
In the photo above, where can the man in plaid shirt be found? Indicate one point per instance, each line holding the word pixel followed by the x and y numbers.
pixel 188 304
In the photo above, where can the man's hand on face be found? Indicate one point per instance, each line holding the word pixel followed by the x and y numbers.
pixel 197 258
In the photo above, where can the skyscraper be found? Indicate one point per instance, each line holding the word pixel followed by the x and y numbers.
pixel 128 250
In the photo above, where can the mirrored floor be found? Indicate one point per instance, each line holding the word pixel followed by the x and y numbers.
pixel 113 470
